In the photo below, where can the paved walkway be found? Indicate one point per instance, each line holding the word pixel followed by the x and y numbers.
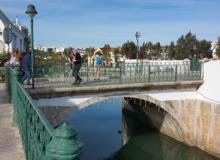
pixel 10 142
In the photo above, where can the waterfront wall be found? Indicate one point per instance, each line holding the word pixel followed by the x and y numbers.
pixel 193 122
pixel 199 122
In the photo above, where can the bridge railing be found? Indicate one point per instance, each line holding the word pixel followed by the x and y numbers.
pixel 60 74
pixel 40 140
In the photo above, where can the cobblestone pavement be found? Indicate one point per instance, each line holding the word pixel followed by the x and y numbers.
pixel 10 142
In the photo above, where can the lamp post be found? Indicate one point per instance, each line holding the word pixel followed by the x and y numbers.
pixel 137 35
pixel 31 12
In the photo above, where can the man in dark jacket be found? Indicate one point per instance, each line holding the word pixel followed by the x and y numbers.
pixel 26 64
pixel 76 66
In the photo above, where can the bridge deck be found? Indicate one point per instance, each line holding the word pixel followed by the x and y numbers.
pixel 80 95
pixel 61 92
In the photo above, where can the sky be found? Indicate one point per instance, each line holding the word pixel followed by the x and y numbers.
pixel 93 23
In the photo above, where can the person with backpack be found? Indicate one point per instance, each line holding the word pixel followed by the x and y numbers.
pixel 76 65
pixel 98 62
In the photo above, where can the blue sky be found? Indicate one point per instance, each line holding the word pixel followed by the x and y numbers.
pixel 84 23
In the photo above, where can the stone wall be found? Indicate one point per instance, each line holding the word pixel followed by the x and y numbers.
pixel 193 122
pixel 200 123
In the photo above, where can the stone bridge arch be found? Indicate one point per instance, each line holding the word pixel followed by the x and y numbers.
pixel 171 125
pixel 163 115
pixel 191 121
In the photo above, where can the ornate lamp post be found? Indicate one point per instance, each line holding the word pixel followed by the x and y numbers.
pixel 31 12
pixel 137 35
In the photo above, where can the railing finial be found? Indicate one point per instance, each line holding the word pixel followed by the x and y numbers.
pixel 64 145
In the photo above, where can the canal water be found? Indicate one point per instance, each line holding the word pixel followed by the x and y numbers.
pixel 108 133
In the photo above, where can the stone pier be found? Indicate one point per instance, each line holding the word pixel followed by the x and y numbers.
pixel 193 122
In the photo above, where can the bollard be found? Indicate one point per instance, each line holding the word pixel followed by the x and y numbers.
pixel 64 144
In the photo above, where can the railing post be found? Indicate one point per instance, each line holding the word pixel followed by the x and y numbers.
pixel 149 73
pixel 87 72
pixel 64 144
pixel 201 71
pixel 15 77
pixel 176 72
pixel 120 72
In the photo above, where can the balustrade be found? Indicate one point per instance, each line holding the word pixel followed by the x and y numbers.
pixel 36 132
pixel 60 74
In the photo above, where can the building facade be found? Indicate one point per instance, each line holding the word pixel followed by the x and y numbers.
pixel 17 35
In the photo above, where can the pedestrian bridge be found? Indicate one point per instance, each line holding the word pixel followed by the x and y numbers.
pixel 178 104
pixel 174 108
pixel 59 75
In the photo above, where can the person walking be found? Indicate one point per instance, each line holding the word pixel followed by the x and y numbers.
pixel 26 64
pixel 76 65
pixel 15 59
pixel 98 62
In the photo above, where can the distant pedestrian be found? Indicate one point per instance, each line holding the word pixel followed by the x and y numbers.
pixel 26 64
pixel 98 62
pixel 76 65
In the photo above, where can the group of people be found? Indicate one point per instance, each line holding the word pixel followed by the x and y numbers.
pixel 75 64
pixel 24 62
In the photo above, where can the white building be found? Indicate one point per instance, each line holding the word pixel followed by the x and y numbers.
pixel 45 48
pixel 17 35
pixel 60 49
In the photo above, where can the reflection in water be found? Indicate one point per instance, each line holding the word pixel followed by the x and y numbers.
pixel 146 143
pixel 110 134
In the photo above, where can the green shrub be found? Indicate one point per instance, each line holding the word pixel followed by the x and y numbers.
pixel 4 57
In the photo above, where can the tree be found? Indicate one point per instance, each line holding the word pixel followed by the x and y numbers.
pixel 117 52
pixel 157 51
pixel 186 46
pixel 26 39
pixel 89 51
pixel 147 50
pixel 67 51
pixel 191 42
pixel 129 49
pixel 218 48
pixel 202 47
pixel 106 49
pixel 143 51
pixel 171 51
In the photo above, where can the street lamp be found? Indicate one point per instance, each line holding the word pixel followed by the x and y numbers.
pixel 31 12
pixel 137 35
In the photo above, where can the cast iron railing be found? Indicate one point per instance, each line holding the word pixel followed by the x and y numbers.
pixel 60 74
pixel 40 140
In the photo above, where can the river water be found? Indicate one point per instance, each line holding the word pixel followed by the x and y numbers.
pixel 107 133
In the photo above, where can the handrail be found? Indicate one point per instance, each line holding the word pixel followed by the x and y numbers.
pixel 60 74
pixel 45 122
pixel 39 138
